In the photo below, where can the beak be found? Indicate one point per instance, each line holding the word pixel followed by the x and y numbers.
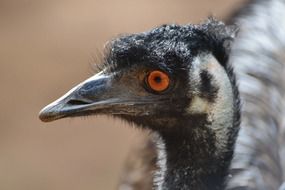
pixel 88 97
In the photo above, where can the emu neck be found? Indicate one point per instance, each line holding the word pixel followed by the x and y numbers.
pixel 190 160
pixel 195 153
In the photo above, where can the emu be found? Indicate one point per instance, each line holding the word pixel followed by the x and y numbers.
pixel 179 81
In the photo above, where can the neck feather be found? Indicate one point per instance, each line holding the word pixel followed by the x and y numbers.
pixel 197 154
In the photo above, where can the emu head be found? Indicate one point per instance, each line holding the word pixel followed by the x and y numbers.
pixel 156 78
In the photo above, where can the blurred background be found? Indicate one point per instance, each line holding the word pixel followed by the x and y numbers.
pixel 46 47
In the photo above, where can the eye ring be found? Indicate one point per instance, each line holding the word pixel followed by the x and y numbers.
pixel 158 81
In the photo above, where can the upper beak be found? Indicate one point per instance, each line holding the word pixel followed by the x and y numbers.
pixel 89 96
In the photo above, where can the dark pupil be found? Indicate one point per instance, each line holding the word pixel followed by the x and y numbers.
pixel 157 79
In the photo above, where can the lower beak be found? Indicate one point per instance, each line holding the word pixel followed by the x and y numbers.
pixel 90 96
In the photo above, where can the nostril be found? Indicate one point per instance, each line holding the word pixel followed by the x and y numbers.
pixel 77 102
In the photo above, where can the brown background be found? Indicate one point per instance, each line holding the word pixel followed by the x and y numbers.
pixel 46 47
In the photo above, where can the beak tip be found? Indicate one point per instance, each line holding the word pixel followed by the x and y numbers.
pixel 73 101
pixel 44 116
pixel 47 115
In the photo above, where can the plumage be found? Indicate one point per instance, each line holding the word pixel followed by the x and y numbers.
pixel 194 123
pixel 258 56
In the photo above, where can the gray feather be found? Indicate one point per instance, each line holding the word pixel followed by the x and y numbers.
pixel 258 58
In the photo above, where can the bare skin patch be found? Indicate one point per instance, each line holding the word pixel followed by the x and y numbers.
pixel 198 105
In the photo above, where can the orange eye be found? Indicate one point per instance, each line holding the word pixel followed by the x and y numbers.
pixel 158 81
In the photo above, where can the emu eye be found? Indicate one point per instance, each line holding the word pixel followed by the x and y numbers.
pixel 157 81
